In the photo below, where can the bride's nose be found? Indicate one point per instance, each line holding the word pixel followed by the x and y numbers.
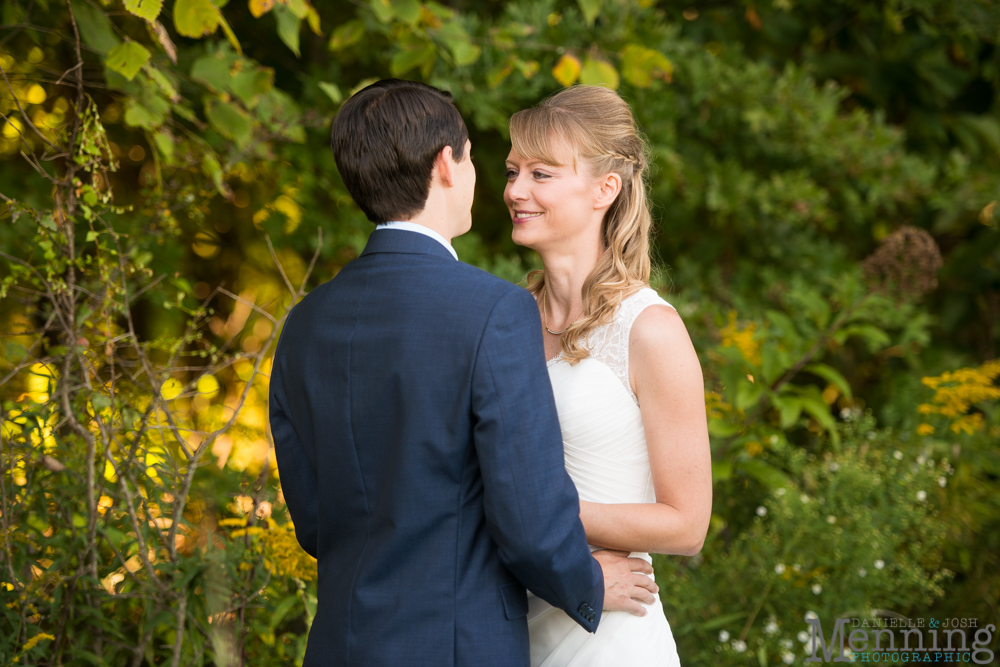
pixel 516 189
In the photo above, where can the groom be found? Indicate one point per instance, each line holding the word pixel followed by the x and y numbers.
pixel 414 424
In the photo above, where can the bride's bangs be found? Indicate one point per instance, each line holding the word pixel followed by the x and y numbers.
pixel 535 133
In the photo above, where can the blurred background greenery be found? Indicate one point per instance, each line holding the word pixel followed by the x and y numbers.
pixel 825 185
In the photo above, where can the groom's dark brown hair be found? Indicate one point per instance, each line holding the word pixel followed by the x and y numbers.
pixel 385 139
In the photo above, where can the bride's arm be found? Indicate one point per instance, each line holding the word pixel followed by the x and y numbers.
pixel 668 382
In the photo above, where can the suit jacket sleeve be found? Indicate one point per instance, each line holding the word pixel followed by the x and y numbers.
pixel 297 463
pixel 532 506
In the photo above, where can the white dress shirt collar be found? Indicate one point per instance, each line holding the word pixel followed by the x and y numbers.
pixel 420 229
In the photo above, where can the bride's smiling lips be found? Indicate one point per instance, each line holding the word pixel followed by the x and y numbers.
pixel 524 216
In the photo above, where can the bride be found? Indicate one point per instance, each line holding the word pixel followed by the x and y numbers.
pixel 627 381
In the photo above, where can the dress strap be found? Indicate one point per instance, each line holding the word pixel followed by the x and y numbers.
pixel 609 343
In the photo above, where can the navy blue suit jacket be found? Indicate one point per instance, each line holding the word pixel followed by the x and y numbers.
pixel 421 459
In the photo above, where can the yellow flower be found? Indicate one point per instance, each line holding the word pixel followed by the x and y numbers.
pixel 925 429
pixel 741 339
pixel 957 392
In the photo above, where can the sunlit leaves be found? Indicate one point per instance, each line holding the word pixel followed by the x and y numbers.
pixel 231 121
pixel 95 28
pixel 413 53
pixel 332 91
pixel 599 73
pixel 127 59
pixel 347 34
pixel 590 9
pixel 641 65
pixel 260 7
pixel 459 43
pixel 407 11
pixel 147 9
pixel 567 70
pixel 288 28
pixel 196 18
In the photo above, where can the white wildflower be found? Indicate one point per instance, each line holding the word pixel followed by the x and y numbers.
pixel 803 636
pixel 831 519
pixel 879 564
pixel 817 589
pixel 779 568
pixel 761 511
pixel 723 636
pixel 862 572
pixel 898 455
pixel 788 657
pixel 921 496
pixel 771 627
pixel 942 482
pixel 739 646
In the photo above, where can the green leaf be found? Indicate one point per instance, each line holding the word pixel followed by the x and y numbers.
pixel 748 394
pixel 641 65
pixel 95 28
pixel 282 610
pixel 288 27
pixel 407 11
pixel 164 142
pixel 148 114
pixel 765 473
pixel 832 376
pixel 91 235
pixel 774 361
pixel 146 9
pixel 875 337
pixel 230 121
pixel 722 429
pixel 332 91
pixel 599 73
pixel 210 167
pixel 383 10
pixel 165 85
pixel 721 470
pixel 248 83
pixel 458 42
pixel 196 18
pixel 298 7
pixel 347 34
pixel 127 59
pixel 230 35
pixel 412 55
pixel 790 408
pixel 214 69
pixel 590 9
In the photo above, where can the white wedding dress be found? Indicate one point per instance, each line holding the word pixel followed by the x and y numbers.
pixel 605 451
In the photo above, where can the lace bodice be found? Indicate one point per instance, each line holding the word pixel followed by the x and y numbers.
pixel 608 343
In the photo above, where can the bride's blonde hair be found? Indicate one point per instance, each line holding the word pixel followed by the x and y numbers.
pixel 599 126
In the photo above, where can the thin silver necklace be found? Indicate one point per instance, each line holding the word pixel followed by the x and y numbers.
pixel 545 316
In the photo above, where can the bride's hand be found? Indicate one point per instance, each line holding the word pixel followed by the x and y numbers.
pixel 625 582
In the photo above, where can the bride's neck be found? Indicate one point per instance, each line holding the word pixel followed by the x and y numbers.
pixel 565 274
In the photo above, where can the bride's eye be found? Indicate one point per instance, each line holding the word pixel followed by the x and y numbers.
pixel 511 174
pixel 539 174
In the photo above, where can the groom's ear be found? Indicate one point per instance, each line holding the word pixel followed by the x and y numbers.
pixel 444 166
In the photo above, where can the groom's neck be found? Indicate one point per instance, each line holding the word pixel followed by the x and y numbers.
pixel 435 216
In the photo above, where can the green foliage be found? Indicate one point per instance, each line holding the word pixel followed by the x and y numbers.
pixel 142 291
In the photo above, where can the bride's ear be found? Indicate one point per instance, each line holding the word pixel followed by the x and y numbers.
pixel 608 188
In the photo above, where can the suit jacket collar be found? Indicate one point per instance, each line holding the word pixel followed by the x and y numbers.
pixel 403 241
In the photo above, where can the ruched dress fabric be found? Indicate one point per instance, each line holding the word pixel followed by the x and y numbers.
pixel 604 444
